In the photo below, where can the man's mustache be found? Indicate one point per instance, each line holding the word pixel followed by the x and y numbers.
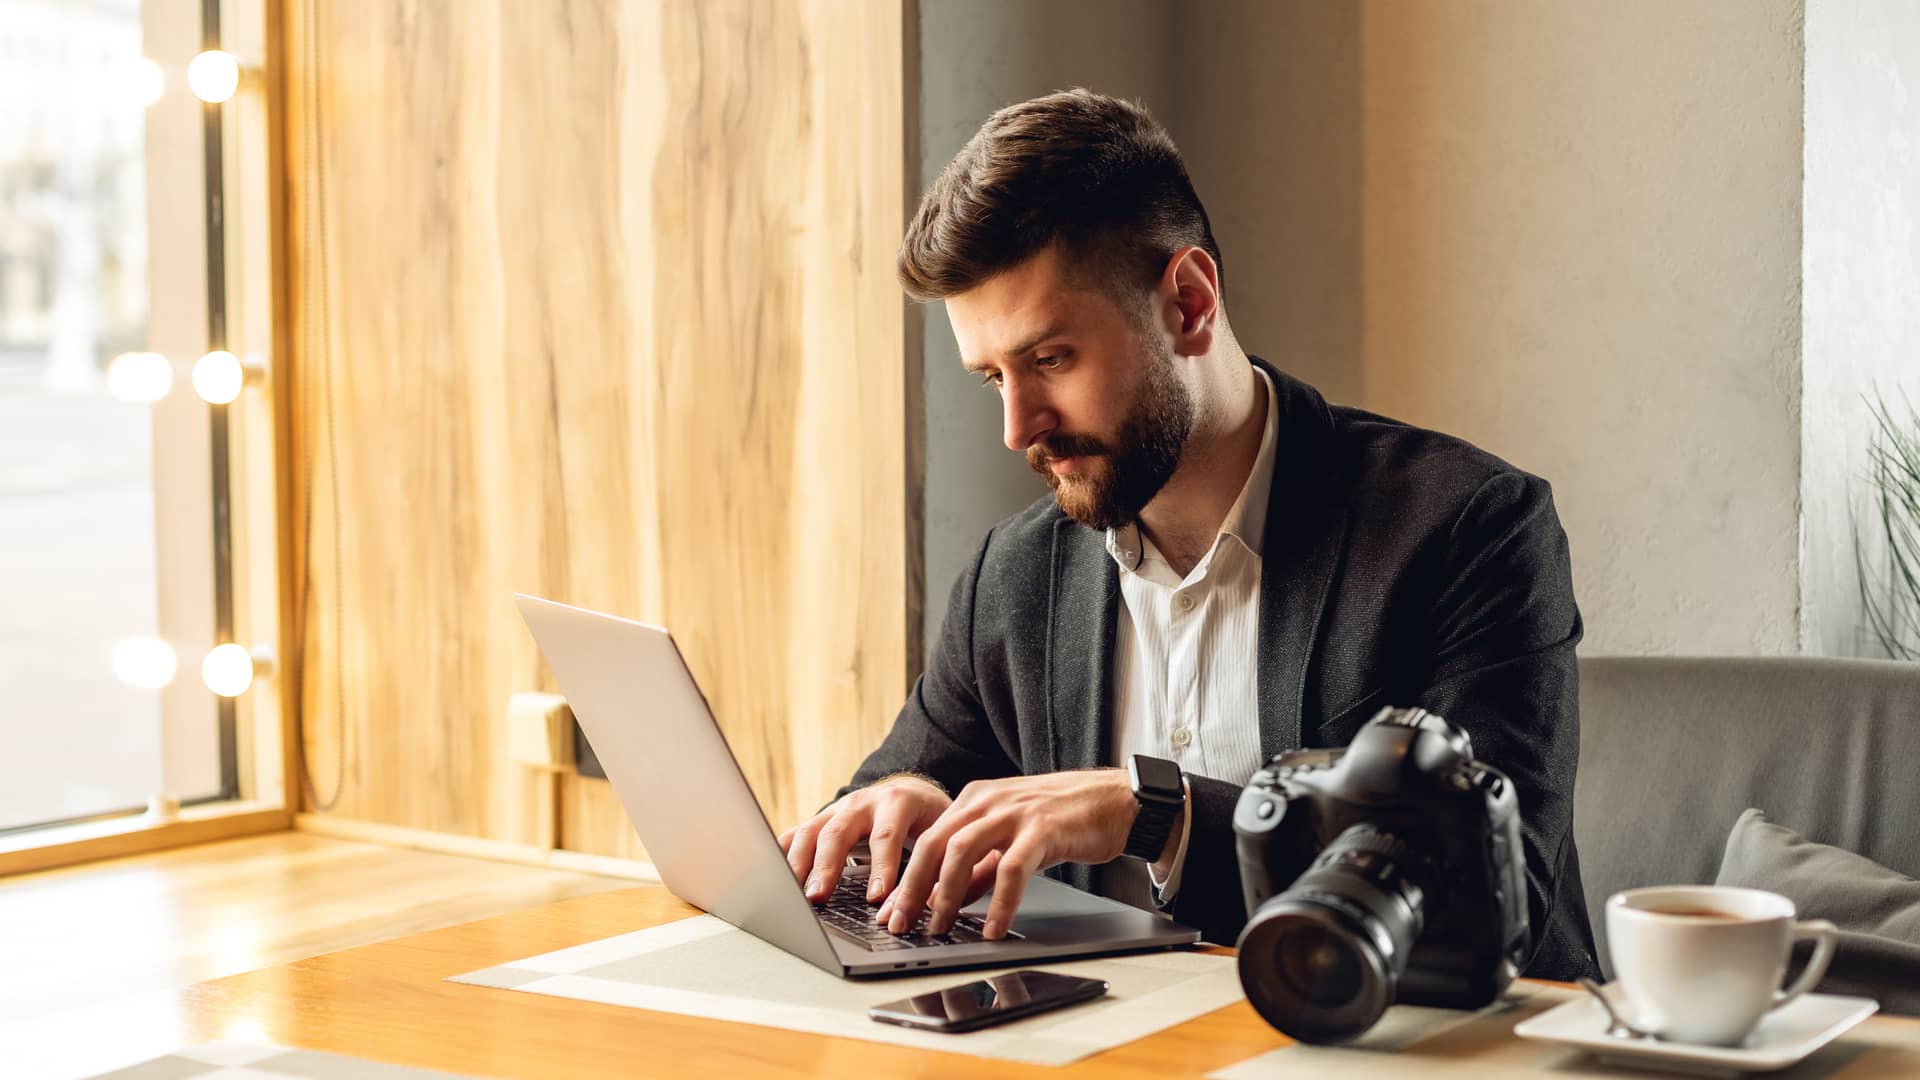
pixel 1065 446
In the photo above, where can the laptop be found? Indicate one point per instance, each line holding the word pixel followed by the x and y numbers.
pixel 651 728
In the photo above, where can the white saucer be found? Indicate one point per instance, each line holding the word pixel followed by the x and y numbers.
pixel 1782 1038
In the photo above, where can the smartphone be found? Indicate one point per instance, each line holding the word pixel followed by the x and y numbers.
pixel 992 1000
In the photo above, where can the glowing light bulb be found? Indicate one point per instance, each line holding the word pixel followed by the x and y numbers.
pixel 143 377
pixel 214 76
pixel 218 377
pixel 145 662
pixel 146 81
pixel 228 670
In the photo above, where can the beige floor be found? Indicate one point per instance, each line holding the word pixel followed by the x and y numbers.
pixel 82 937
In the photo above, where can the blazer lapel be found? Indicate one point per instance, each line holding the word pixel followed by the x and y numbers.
pixel 1305 534
pixel 1081 609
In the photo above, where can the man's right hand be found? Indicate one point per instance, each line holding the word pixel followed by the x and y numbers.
pixel 886 814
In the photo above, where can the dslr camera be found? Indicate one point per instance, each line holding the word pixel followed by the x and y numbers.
pixel 1387 871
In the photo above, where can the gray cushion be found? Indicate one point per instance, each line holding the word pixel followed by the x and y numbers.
pixel 1876 909
pixel 1673 749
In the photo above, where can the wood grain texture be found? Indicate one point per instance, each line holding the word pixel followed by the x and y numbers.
pixel 595 301
pixel 389 1002
pixel 69 845
pixel 477 847
pixel 109 938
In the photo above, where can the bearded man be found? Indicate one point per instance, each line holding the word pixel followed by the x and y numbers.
pixel 1228 567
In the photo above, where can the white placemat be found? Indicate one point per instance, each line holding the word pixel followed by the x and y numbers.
pixel 232 1060
pixel 704 967
pixel 1414 1041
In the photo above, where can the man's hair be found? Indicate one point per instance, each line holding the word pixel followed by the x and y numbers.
pixel 1093 173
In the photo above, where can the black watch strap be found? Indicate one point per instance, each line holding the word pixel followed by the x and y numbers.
pixel 1162 796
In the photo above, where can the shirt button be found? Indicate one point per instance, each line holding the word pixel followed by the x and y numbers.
pixel 1186 601
pixel 1181 737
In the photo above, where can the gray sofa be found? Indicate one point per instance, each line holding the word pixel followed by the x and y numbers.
pixel 1672 750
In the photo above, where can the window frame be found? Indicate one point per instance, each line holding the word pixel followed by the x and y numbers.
pixel 216 279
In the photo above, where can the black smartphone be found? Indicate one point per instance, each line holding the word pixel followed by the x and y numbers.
pixel 992 1000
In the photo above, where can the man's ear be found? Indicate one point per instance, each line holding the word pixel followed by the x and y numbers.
pixel 1190 288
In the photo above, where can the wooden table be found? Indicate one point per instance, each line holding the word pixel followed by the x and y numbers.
pixel 390 1002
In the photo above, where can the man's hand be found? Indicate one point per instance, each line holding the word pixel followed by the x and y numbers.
pixel 998 833
pixel 886 815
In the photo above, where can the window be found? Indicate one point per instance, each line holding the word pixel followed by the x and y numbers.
pixel 124 497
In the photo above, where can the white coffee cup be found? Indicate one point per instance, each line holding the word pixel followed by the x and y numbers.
pixel 1703 963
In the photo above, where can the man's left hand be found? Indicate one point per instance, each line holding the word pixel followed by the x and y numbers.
pixel 998 833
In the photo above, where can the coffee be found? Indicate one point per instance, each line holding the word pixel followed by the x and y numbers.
pixel 1689 911
pixel 1702 963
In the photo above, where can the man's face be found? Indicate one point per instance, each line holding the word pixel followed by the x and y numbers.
pixel 1089 393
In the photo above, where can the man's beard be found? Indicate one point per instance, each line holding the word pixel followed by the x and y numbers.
pixel 1123 476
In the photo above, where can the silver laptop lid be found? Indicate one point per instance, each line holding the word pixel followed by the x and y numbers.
pixel 652 730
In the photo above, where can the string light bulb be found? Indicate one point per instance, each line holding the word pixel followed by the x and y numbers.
pixel 214 76
pixel 148 663
pixel 146 82
pixel 220 376
pixel 139 377
pixel 230 670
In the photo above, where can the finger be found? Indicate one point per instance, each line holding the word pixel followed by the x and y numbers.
pixel 965 851
pixel 786 839
pixel 884 845
pixel 800 851
pixel 1010 880
pixel 983 877
pixel 888 843
pixel 923 869
pixel 836 838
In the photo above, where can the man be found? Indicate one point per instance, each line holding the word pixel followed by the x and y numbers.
pixel 1227 567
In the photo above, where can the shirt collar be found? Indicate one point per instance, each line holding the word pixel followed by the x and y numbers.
pixel 1246 520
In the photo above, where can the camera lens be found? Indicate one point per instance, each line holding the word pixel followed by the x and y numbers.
pixel 1322 960
pixel 1319 965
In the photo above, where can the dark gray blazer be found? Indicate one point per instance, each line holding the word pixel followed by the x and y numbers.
pixel 1401 566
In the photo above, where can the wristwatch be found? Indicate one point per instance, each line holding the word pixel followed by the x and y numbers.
pixel 1163 798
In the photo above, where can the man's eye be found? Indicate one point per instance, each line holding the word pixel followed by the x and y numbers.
pixel 1046 361
pixel 990 380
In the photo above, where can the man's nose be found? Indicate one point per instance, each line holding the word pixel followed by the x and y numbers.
pixel 1028 417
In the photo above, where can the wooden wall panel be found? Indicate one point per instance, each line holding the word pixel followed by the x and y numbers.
pixel 595 300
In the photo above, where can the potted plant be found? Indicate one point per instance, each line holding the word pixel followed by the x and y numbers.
pixel 1886 545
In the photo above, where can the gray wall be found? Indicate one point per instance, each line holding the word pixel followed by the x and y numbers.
pixel 1571 233
pixel 1862 261
pixel 1567 232
pixel 975 56
pixel 1269 120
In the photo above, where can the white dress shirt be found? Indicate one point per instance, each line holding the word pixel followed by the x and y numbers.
pixel 1184 682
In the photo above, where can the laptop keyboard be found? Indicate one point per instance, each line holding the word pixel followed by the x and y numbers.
pixel 848 912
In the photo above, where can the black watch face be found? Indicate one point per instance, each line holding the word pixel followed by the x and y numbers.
pixel 1157 775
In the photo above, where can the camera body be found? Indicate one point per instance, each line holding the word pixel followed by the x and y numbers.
pixel 1388 871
